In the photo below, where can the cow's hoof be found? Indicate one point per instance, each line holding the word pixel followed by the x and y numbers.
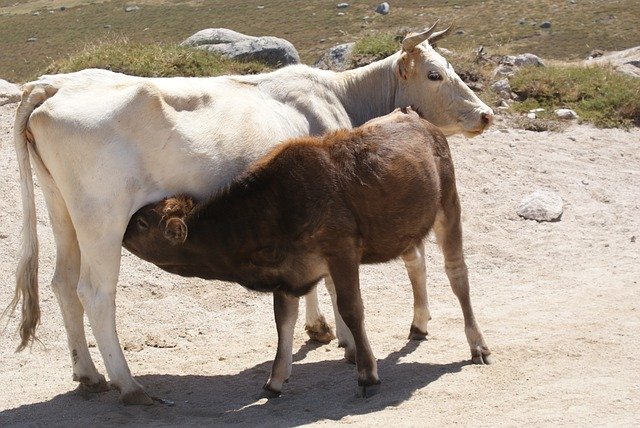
pixel 94 387
pixel 416 334
pixel 137 397
pixel 320 332
pixel 366 391
pixel 269 392
pixel 482 356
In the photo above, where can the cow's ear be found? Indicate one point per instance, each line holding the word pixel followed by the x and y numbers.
pixel 404 66
pixel 176 231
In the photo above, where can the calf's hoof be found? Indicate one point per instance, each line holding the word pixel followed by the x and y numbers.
pixel 416 334
pixel 137 397
pixel 368 390
pixel 86 385
pixel 320 332
pixel 482 356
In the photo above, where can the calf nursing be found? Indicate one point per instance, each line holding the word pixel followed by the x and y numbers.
pixel 317 207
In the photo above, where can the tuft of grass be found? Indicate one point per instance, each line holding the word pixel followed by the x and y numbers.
pixel 152 60
pixel 374 47
pixel 599 95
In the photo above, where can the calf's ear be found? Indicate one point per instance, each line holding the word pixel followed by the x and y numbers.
pixel 176 231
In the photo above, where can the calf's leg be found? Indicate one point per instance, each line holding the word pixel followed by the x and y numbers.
pixel 344 272
pixel 448 232
pixel 285 309
pixel 414 261
pixel 316 325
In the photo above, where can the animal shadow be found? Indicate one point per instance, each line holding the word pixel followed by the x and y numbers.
pixel 317 391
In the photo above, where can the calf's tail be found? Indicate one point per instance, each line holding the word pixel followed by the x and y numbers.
pixel 33 95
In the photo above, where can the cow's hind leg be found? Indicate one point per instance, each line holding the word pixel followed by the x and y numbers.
pixel 448 231
pixel 316 325
pixel 285 309
pixel 344 271
pixel 414 261
pixel 64 285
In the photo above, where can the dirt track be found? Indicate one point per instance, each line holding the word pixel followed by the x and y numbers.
pixel 559 304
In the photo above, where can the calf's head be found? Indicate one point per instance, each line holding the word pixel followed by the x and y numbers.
pixel 155 228
pixel 428 83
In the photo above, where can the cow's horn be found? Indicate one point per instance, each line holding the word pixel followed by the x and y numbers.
pixel 439 35
pixel 412 41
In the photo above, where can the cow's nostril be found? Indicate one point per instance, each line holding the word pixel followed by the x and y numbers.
pixel 487 118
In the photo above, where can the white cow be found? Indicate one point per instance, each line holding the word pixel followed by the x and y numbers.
pixel 99 139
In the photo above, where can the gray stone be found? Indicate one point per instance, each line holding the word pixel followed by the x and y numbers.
pixel 502 88
pixel 32 39
pixel 503 71
pixel 541 205
pixel 565 113
pixel 383 8
pixel 522 60
pixel 9 92
pixel 342 5
pixel 625 62
pixel 231 44
pixel 545 24
pixel 131 8
pixel 340 13
pixel 335 58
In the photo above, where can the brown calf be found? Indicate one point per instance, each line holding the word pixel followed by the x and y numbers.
pixel 315 207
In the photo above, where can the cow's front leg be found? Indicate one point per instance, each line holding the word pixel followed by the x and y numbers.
pixel 344 271
pixel 345 338
pixel 414 261
pixel 285 309
pixel 97 291
pixel 316 325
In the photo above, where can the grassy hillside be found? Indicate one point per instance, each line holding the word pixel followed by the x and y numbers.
pixel 311 26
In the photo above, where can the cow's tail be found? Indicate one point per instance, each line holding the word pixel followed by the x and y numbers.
pixel 34 94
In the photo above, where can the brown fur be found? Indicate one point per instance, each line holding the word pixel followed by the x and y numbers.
pixel 312 207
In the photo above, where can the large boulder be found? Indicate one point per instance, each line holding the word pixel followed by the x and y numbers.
pixel 231 44
pixel 625 62
pixel 9 92
pixel 336 58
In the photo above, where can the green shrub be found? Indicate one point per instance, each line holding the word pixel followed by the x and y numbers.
pixel 153 60
pixel 374 47
pixel 599 95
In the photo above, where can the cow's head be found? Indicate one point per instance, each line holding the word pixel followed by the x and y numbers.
pixel 428 83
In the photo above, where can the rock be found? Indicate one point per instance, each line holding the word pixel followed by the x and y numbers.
pixel 131 8
pixel 383 8
pixel 545 24
pixel 9 92
pixel 260 7
pixel 32 39
pixel 342 5
pixel 565 113
pixel 522 60
pixel 541 205
pixel 531 115
pixel 536 110
pixel 335 58
pixel 502 88
pixel 273 51
pixel 503 71
pixel 624 62
pixel 340 13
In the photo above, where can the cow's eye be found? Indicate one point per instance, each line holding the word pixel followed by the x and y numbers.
pixel 434 76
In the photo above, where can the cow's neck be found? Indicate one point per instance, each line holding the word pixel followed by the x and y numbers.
pixel 368 92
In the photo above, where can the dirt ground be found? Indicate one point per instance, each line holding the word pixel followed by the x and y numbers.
pixel 559 304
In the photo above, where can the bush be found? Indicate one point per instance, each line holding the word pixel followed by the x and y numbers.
pixel 153 60
pixel 597 94
pixel 372 48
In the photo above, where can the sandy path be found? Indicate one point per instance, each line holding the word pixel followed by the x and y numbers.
pixel 559 304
